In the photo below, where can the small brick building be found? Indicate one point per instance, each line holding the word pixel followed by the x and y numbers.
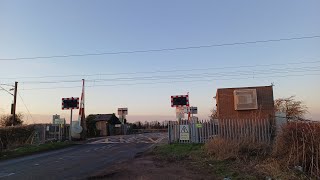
pixel 245 102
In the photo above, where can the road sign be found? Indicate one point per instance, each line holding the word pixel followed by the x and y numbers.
pixel 55 117
pixel 59 121
pixel 117 125
pixel 194 110
pixel 70 103
pixel 184 132
pixel 199 125
pixel 122 111
pixel 180 112
pixel 180 101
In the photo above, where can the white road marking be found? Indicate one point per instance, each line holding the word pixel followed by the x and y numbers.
pixel 6 174
pixel 36 164
pixel 152 140
pixel 140 138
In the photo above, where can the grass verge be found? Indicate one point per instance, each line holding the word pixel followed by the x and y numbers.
pixel 195 158
pixel 33 149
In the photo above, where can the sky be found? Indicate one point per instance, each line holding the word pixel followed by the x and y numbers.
pixel 144 81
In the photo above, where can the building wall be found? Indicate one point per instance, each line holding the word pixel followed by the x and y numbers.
pixel 225 104
pixel 102 126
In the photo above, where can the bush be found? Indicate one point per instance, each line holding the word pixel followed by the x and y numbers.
pixel 11 137
pixel 225 149
pixel 298 145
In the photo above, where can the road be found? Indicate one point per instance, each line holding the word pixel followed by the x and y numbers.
pixel 80 161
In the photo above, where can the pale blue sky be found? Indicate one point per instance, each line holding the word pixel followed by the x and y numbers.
pixel 44 28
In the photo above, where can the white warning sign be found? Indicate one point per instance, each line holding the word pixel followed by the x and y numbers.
pixel 184 132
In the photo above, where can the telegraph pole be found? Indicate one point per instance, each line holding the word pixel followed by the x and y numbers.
pixel 14 101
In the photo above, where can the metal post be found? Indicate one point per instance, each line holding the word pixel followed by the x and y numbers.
pixel 70 137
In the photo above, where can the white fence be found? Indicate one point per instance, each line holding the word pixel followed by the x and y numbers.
pixel 259 130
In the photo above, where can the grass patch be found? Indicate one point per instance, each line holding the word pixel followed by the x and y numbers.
pixel 178 151
pixel 32 149
pixel 195 158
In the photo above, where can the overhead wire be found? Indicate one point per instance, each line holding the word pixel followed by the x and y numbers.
pixel 6 90
pixel 166 82
pixel 174 76
pixel 166 71
pixel 26 107
pixel 158 50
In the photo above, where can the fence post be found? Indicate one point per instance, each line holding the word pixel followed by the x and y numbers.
pixel 169 135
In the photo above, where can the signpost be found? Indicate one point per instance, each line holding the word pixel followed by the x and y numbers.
pixel 122 112
pixel 184 133
pixel 70 103
pixel 55 117
pixel 180 101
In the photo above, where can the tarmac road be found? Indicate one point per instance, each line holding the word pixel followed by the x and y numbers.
pixel 80 161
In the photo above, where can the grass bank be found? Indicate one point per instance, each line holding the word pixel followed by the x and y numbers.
pixel 198 159
pixel 33 149
pixel 195 158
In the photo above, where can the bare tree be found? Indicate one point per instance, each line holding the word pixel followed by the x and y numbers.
pixel 294 109
pixel 7 120
pixel 214 114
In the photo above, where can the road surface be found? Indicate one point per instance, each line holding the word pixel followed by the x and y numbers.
pixel 80 161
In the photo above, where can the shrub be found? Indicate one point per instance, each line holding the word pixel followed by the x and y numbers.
pixel 298 145
pixel 11 137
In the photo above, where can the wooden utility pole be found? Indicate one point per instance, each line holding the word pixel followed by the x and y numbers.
pixel 14 102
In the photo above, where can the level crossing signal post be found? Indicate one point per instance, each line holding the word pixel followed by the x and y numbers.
pixel 70 104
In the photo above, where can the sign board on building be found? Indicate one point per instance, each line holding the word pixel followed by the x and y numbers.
pixel 179 101
pixel 184 133
pixel 70 103
pixel 122 111
pixel 117 125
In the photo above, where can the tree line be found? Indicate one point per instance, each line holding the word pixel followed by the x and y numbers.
pixel 149 125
